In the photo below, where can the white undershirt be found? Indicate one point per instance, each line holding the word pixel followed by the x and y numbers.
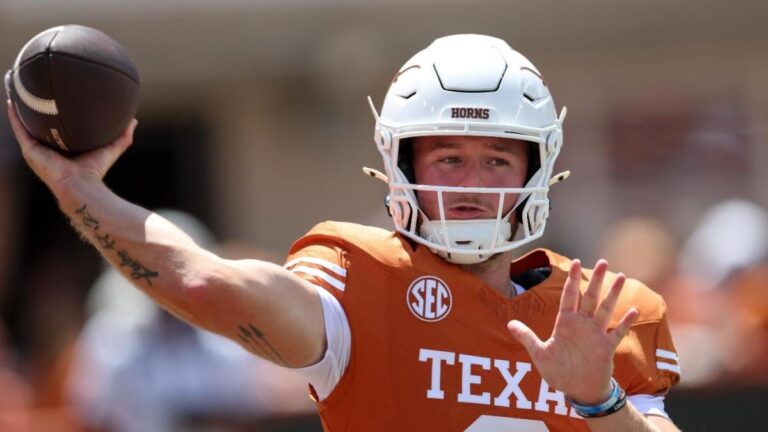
pixel 326 373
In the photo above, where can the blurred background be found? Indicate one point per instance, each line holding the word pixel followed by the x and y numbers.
pixel 253 127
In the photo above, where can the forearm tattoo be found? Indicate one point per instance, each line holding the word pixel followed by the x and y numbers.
pixel 138 270
pixel 254 339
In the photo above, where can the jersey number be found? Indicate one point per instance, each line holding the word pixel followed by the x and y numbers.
pixel 487 423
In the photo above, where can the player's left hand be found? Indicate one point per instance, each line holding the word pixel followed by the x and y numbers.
pixel 577 359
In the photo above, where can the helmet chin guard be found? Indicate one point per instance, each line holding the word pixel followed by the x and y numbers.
pixel 466 241
pixel 470 85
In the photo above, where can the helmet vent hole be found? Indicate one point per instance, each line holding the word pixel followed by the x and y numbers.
pixel 408 96
pixel 463 242
pixel 529 97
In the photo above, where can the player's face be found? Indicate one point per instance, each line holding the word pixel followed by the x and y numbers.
pixel 468 161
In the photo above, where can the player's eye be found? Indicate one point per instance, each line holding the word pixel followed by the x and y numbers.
pixel 450 160
pixel 498 162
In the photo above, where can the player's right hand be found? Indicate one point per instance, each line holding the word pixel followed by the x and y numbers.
pixel 54 169
pixel 577 359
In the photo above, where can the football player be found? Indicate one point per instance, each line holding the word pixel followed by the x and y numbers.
pixel 433 326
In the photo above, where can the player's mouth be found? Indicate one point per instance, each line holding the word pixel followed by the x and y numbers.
pixel 467 211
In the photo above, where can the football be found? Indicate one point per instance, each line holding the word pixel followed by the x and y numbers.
pixel 74 88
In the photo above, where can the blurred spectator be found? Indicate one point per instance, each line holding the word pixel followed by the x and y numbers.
pixel 641 247
pixel 732 236
pixel 721 258
pixel 645 249
pixel 750 289
pixel 138 368
pixel 50 316
pixel 715 287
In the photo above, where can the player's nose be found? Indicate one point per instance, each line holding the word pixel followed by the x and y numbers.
pixel 471 175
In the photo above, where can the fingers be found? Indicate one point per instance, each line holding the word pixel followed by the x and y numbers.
pixel 128 132
pixel 126 138
pixel 592 294
pixel 525 336
pixel 606 308
pixel 569 301
pixel 102 159
pixel 590 303
pixel 622 329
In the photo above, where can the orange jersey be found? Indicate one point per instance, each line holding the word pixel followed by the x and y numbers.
pixel 430 349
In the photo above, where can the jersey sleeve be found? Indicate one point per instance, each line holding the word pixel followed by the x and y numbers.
pixel 323 265
pixel 647 362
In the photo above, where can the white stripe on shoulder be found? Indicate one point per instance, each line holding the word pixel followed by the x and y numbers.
pixel 321 262
pixel 339 285
pixel 666 354
pixel 668 366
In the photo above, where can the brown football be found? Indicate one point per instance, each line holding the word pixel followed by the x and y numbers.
pixel 74 88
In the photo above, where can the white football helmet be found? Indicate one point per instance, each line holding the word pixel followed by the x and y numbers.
pixel 469 85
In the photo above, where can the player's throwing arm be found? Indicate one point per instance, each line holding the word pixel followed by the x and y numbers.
pixel 265 308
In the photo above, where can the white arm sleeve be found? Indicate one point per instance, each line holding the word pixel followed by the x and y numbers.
pixel 649 405
pixel 325 374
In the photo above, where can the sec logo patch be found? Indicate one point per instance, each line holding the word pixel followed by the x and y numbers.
pixel 429 299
